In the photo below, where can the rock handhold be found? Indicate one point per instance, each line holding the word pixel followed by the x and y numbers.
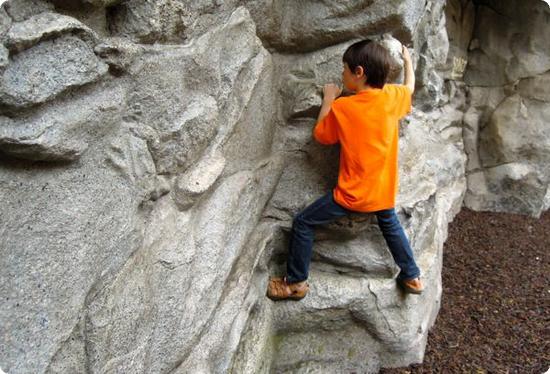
pixel 394 48
pixel 118 53
pixel 191 185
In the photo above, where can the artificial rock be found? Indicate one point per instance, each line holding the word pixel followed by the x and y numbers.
pixel 153 155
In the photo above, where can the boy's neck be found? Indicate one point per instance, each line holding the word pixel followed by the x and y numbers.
pixel 363 87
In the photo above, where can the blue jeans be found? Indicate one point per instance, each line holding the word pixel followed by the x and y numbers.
pixel 325 210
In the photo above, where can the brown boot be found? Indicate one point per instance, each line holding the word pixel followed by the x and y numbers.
pixel 411 286
pixel 279 289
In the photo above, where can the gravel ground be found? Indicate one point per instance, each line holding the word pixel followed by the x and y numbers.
pixel 495 310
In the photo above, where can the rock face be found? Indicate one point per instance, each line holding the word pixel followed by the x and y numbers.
pixel 507 120
pixel 153 154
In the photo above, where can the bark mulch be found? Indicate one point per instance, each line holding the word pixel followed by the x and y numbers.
pixel 495 308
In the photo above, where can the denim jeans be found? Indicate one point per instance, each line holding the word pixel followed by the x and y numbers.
pixel 325 210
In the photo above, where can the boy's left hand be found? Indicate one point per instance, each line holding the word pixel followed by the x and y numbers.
pixel 331 92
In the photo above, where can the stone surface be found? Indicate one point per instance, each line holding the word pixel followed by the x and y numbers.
pixel 119 53
pixel 24 9
pixel 507 116
pixel 309 25
pixel 165 21
pixel 5 22
pixel 61 131
pixel 148 21
pixel 153 155
pixel 198 180
pixel 74 4
pixel 42 72
pixel 506 47
pixel 4 57
pixel 47 25
pixel 56 250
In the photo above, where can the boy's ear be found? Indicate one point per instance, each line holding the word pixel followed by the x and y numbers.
pixel 359 71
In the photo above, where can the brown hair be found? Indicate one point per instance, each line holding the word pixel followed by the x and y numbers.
pixel 372 57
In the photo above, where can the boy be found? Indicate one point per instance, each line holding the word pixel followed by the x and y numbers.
pixel 366 126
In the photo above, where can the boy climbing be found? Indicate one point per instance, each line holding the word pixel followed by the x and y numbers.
pixel 366 125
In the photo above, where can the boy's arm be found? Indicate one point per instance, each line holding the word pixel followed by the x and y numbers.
pixel 325 129
pixel 409 71
pixel 330 93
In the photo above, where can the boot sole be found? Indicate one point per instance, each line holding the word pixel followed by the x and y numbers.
pixel 409 289
pixel 291 297
pixel 295 298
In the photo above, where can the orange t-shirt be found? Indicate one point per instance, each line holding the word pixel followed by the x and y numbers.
pixel 367 127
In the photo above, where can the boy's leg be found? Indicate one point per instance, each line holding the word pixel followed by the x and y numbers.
pixel 324 210
pixel 398 243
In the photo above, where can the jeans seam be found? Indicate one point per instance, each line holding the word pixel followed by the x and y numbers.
pixel 325 203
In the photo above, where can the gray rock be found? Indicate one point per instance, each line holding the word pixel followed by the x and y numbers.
pixel 4 57
pixel 56 249
pixel 5 22
pixel 309 25
pixel 147 21
pixel 47 25
pixel 459 22
pixel 119 54
pixel 536 87
pixel 506 132
pixel 349 226
pixel 198 180
pixel 394 48
pixel 513 161
pixel 84 4
pixel 365 254
pixel 188 95
pixel 217 240
pixel 20 10
pixel 513 187
pixel 116 260
pixel 516 131
pixel 63 130
pixel 503 55
pixel 189 136
pixel 42 72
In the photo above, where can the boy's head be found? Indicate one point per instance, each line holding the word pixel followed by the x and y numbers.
pixel 368 62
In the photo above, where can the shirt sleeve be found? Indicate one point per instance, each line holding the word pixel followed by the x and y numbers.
pixel 403 100
pixel 326 130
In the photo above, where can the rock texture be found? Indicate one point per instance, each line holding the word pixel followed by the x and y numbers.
pixel 507 120
pixel 153 154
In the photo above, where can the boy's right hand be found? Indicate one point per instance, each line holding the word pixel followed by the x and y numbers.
pixel 331 92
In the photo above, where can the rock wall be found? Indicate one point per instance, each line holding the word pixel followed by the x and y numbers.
pixel 506 124
pixel 153 154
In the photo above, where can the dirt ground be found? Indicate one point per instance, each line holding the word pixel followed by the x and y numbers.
pixel 495 309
